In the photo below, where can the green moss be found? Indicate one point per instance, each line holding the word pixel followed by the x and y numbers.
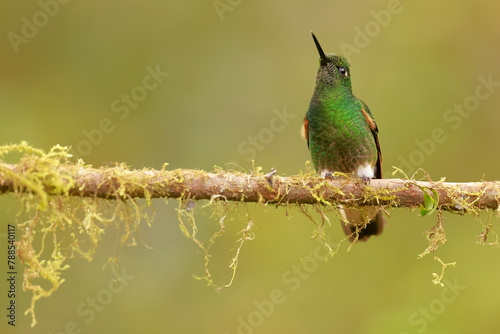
pixel 220 210
pixel 57 227
pixel 60 227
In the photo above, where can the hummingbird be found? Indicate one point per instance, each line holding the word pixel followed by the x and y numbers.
pixel 342 136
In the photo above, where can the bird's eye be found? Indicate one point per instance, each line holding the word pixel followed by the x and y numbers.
pixel 343 71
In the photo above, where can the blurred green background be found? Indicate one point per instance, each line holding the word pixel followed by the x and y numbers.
pixel 66 70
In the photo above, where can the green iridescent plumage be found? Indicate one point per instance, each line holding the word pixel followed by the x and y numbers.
pixel 342 136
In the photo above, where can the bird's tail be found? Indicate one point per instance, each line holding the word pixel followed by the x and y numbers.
pixel 361 223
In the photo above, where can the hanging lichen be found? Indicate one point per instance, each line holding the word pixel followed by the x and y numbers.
pixel 66 207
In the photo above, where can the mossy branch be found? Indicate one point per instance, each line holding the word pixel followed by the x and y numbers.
pixel 122 183
pixel 65 205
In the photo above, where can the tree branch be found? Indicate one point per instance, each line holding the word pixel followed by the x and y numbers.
pixel 123 183
pixel 75 227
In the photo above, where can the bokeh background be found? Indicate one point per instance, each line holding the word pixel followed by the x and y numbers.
pixel 233 67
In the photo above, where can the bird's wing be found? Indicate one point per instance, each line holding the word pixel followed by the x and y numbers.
pixel 370 122
pixel 304 131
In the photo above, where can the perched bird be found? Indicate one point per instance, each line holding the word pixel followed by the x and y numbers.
pixel 342 136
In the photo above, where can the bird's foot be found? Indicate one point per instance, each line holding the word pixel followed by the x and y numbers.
pixel 328 176
pixel 365 179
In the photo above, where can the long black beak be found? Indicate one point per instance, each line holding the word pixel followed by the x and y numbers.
pixel 320 50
